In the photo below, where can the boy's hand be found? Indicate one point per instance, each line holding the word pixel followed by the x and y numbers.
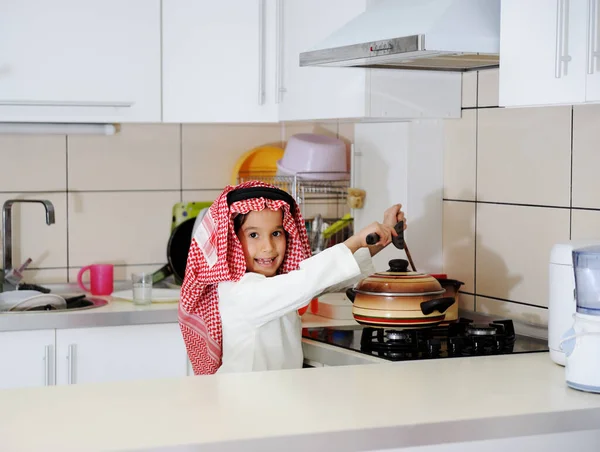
pixel 359 240
pixel 394 215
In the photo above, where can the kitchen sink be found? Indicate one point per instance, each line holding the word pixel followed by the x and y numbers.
pixel 75 302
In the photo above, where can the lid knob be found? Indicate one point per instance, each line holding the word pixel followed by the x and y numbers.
pixel 398 265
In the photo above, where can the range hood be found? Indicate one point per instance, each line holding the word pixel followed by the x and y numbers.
pixel 440 35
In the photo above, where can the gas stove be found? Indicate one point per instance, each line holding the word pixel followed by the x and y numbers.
pixel 462 338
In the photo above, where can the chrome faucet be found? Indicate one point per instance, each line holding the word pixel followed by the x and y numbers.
pixel 7 263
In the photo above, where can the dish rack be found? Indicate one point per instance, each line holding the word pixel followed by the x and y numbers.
pixel 322 200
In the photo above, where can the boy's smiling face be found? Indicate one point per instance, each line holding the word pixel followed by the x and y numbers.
pixel 264 241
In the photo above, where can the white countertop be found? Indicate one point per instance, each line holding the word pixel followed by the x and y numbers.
pixel 332 408
pixel 116 313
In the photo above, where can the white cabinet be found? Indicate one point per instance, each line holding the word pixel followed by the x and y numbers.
pixel 238 61
pixel 549 52
pixel 309 93
pixel 26 358
pixel 317 92
pixel 80 61
pixel 219 61
pixel 119 353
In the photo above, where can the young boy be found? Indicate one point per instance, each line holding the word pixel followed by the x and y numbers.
pixel 250 269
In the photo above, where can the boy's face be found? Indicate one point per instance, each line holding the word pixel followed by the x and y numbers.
pixel 263 240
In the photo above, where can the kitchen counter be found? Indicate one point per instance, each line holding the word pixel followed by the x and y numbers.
pixel 116 313
pixel 372 407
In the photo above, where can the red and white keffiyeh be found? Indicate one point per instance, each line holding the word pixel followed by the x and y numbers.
pixel 216 256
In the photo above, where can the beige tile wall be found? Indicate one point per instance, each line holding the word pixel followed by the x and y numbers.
pixel 113 195
pixel 517 181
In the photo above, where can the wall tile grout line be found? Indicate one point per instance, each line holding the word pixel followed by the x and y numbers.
pixel 476 100
pixel 506 300
pixel 519 204
pixel 476 198
pixel 571 180
pixel 180 162
pixel 161 45
pixel 67 201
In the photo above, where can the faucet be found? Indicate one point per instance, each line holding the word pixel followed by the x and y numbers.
pixel 7 263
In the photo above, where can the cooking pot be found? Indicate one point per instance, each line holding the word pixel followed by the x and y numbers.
pixel 399 298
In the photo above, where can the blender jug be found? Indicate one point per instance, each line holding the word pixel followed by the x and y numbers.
pixel 586 264
pixel 581 343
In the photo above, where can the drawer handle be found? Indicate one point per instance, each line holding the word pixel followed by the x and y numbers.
pixel 71 357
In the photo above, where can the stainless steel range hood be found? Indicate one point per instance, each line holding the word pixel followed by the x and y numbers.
pixel 440 35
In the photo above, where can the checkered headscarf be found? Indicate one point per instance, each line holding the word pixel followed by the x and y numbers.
pixel 216 256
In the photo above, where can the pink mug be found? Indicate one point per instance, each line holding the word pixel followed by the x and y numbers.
pixel 101 279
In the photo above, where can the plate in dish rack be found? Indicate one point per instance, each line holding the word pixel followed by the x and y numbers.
pixel 158 295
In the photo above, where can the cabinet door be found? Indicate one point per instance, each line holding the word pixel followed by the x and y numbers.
pixel 542 52
pixel 219 61
pixel 317 92
pixel 80 61
pixel 119 353
pixel 593 52
pixel 26 358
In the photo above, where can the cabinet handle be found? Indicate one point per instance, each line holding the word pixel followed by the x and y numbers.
pixel 261 52
pixel 562 57
pixel 47 365
pixel 66 103
pixel 71 357
pixel 279 89
pixel 592 35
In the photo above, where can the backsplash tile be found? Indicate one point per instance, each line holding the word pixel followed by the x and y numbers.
pixel 113 195
pixel 46 276
pixel 37 163
pixel 121 272
pixel 469 89
pixel 487 92
pixel 139 157
pixel 535 186
pixel 524 155
pixel 459 242
pixel 202 143
pixel 513 250
pixel 460 149
pixel 121 228
pixel 525 314
pixel 585 224
pixel 466 301
pixel 586 158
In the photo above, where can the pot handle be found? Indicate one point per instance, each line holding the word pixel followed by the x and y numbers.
pixel 351 294
pixel 439 304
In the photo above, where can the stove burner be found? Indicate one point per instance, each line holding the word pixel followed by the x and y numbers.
pixel 463 338
pixel 396 335
pixel 481 330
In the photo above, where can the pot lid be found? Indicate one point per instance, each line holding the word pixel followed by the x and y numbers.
pixel 398 281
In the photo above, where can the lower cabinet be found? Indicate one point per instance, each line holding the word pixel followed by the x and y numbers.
pixel 26 358
pixel 90 355
pixel 86 355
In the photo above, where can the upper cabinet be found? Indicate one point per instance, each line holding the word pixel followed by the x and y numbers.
pixel 197 61
pixel 549 52
pixel 309 93
pixel 238 61
pixel 316 92
pixel 80 61
pixel 220 61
